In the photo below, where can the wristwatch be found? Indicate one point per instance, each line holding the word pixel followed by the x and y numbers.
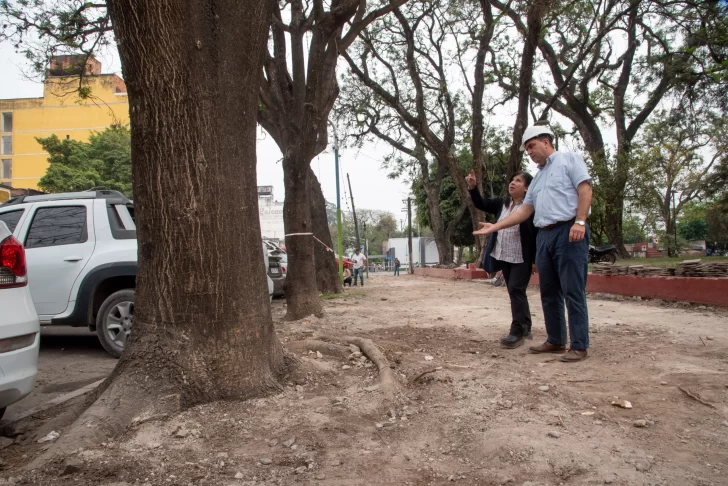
pixel 580 223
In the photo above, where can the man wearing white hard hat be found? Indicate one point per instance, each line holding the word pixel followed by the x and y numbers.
pixel 560 196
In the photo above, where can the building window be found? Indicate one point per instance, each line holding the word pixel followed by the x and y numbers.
pixel 7 145
pixel 6 171
pixel 7 122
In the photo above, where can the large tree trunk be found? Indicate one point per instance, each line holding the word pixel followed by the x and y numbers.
pixel 432 190
pixel 327 272
pixel 301 290
pixel 202 329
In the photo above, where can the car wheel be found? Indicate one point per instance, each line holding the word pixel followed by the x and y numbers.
pixel 114 321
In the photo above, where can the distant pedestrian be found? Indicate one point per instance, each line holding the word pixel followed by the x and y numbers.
pixel 511 252
pixel 360 263
pixel 347 277
pixel 396 266
pixel 560 199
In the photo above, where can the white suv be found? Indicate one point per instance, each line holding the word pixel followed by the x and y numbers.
pixel 81 254
pixel 19 327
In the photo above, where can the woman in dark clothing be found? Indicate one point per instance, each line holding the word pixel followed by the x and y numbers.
pixel 512 251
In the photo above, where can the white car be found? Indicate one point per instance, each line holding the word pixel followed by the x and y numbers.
pixel 81 251
pixel 19 324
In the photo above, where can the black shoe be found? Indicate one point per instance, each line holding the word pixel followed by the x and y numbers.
pixel 511 341
pixel 529 335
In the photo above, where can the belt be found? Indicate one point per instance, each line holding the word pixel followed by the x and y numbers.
pixel 556 225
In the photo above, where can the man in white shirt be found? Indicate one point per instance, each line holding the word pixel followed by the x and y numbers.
pixel 360 262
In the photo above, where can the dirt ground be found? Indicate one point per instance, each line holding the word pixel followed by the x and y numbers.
pixel 485 415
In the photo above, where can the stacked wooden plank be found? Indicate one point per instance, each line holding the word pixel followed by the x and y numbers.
pixel 696 268
pixel 637 270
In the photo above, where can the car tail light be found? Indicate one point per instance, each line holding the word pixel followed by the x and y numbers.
pixel 283 269
pixel 18 342
pixel 13 272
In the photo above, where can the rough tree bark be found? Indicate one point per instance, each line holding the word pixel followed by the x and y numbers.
pixel 327 272
pixel 203 329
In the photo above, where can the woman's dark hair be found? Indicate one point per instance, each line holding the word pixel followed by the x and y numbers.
pixel 527 178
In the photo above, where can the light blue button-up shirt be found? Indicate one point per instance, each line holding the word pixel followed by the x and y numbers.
pixel 552 192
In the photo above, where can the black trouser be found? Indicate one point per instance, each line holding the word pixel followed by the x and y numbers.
pixel 517 276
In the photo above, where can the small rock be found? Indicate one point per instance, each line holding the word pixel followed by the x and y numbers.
pixel 608 481
pixel 543 388
pixel 439 318
pixel 407 457
pixel 724 423
pixel 12 430
pixel 709 338
pixel 319 355
pixel 451 477
pixel 429 358
pixel 553 434
pixel 299 388
pixel 239 475
pixel 181 433
pixel 272 442
pixel 642 423
pixel 494 355
pixel 379 425
pixel 53 435
pixel 622 404
pixel 663 383
pixel 301 469
pixel 290 442
pixel 346 367
pixel 598 422
pixel 72 465
pixel 642 465
pixel 321 476
pixel 267 461
pixel 222 454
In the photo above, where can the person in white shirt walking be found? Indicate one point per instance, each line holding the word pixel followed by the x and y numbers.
pixel 360 262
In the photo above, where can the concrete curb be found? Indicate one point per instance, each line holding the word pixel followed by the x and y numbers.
pixel 55 401
pixel 710 291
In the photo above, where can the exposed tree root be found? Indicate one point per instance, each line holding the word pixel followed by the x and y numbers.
pixel 426 372
pixel 387 381
pixel 320 346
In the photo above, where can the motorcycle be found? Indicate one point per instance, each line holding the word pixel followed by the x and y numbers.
pixel 603 254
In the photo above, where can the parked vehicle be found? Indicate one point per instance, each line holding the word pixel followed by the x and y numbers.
pixel 19 324
pixel 606 253
pixel 81 252
pixel 277 273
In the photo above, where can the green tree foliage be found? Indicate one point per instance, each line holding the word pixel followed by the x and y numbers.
pixel 633 230
pixel 102 162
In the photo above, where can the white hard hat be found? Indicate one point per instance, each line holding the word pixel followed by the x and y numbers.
pixel 535 130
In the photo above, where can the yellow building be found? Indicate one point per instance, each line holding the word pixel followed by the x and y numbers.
pixel 60 111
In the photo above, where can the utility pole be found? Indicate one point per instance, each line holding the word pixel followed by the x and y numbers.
pixel 409 233
pixel 339 236
pixel 353 210
pixel 366 247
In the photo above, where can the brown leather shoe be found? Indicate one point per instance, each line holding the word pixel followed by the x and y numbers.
pixel 547 347
pixel 574 355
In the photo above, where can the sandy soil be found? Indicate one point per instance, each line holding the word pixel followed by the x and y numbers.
pixel 484 417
